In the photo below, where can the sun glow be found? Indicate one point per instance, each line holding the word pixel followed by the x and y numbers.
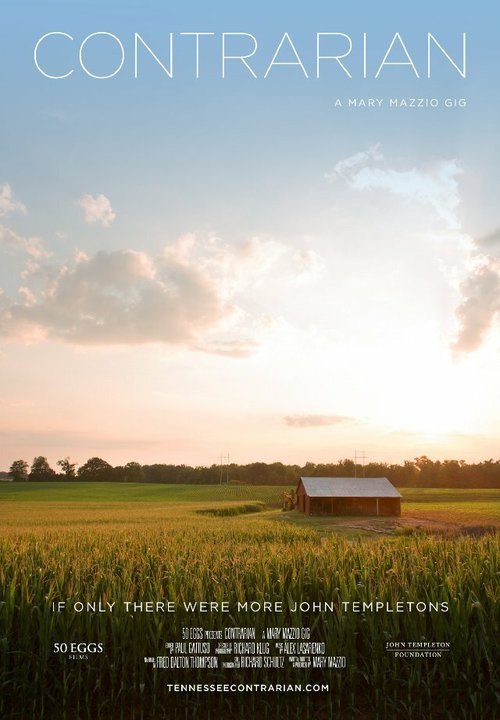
pixel 427 394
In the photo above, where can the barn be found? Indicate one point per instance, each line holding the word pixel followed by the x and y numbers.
pixel 347 496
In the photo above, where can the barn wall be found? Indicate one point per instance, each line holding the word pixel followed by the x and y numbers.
pixel 343 506
pixel 389 506
pixel 352 506
pixel 301 495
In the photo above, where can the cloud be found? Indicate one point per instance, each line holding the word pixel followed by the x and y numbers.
pixel 12 241
pixel 246 265
pixel 198 293
pixel 118 297
pixel 435 185
pixel 479 307
pixel 7 202
pixel 476 269
pixel 480 291
pixel 97 209
pixel 235 348
pixel 306 421
pixel 309 266
pixel 490 243
pixel 346 166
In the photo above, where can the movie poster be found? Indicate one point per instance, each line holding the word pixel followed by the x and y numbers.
pixel 249 344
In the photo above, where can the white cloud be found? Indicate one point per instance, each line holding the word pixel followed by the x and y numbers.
pixel 250 264
pixel 7 203
pixel 479 307
pixel 479 287
pixel 309 266
pixel 473 268
pixel 97 209
pixel 236 348
pixel 118 297
pixel 490 243
pixel 196 293
pixel 308 421
pixel 247 264
pixel 28 298
pixel 435 185
pixel 362 158
pixel 13 241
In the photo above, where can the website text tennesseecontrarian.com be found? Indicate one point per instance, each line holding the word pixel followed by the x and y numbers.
pixel 247 687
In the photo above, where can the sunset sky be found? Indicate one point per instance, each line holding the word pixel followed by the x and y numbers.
pixel 196 266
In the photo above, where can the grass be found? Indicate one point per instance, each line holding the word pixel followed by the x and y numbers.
pixel 111 543
pixel 136 492
pixel 233 509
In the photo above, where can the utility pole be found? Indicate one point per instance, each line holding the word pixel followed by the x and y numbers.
pixel 224 462
pixel 363 457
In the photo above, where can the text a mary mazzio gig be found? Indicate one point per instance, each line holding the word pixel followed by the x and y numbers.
pixel 399 102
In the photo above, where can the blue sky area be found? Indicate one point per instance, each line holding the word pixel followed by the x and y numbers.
pixel 250 265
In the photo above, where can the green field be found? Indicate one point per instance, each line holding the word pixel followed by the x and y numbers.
pixel 136 492
pixel 117 543
pixel 66 505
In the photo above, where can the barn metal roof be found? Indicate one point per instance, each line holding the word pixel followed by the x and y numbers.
pixel 349 487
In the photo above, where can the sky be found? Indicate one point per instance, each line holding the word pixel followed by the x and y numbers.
pixel 203 257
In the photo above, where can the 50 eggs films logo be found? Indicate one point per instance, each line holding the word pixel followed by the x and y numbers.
pixel 77 650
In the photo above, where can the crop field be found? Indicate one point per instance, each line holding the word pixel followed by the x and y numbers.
pixel 135 543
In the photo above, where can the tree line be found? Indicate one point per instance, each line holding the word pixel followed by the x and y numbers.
pixel 420 472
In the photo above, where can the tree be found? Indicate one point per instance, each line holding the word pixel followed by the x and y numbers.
pixel 41 470
pixel 133 472
pixel 19 470
pixel 95 469
pixel 428 471
pixel 68 468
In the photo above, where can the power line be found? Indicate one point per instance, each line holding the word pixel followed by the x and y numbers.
pixel 363 457
pixel 224 464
